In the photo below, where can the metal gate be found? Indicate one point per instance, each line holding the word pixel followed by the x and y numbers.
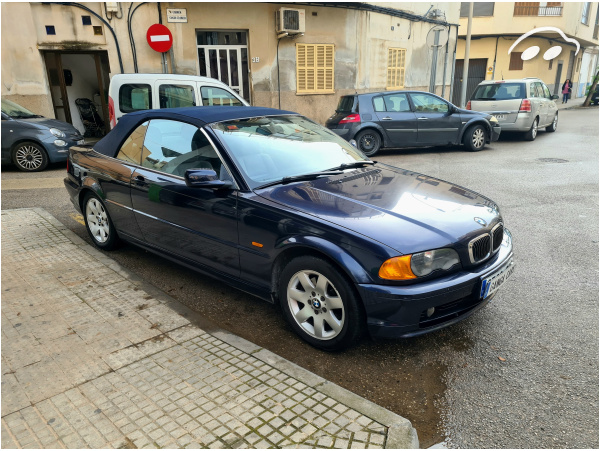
pixel 477 69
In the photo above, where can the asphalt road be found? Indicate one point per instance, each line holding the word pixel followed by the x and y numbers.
pixel 521 373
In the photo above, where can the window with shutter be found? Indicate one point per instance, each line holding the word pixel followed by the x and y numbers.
pixel 516 63
pixel 314 68
pixel 396 68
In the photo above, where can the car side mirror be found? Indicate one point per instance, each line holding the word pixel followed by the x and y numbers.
pixel 554 97
pixel 205 178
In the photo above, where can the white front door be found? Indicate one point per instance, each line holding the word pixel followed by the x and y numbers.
pixel 226 63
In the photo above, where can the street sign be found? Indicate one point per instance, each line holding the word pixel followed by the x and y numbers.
pixel 159 38
pixel 178 15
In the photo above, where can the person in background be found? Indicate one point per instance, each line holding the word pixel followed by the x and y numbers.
pixel 566 90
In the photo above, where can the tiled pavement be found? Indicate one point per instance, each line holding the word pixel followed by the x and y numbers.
pixel 93 357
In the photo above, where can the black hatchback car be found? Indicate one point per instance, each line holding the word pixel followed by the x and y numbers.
pixel 409 119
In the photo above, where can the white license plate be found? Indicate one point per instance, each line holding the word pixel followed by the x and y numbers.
pixel 490 284
pixel 81 142
pixel 500 117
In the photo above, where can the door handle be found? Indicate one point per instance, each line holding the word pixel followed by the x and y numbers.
pixel 386 118
pixel 140 179
pixel 422 118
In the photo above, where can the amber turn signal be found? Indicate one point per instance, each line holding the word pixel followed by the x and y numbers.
pixel 397 268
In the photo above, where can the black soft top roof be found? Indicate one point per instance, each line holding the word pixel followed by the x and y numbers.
pixel 198 115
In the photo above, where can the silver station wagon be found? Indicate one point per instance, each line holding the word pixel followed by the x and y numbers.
pixel 521 105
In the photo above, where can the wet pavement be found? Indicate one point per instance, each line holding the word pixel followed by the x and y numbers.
pixel 523 372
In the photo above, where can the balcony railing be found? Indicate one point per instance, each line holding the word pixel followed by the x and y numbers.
pixel 528 9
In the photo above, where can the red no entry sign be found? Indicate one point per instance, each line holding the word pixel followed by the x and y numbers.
pixel 159 38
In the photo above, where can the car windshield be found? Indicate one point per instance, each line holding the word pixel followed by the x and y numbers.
pixel 500 91
pixel 267 149
pixel 16 111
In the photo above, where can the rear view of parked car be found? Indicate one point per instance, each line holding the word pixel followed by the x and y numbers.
pixel 409 119
pixel 524 105
pixel 31 141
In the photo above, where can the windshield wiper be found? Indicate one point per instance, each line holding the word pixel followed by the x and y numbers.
pixel 301 177
pixel 354 164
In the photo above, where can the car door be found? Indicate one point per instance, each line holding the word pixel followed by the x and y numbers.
pixel 539 106
pixel 552 108
pixel 199 224
pixel 216 96
pixel 396 118
pixel 436 122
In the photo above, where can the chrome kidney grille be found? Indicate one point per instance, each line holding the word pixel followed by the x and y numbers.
pixel 483 246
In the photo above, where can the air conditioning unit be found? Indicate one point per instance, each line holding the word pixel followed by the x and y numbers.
pixel 290 20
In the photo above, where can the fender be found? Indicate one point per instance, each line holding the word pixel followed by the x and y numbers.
pixel 352 268
pixel 476 120
pixel 379 128
pixel 89 183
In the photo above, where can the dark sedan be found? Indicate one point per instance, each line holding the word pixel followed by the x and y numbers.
pixel 409 119
pixel 282 208
pixel 31 141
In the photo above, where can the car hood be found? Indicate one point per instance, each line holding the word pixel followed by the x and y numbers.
pixel 405 210
pixel 47 123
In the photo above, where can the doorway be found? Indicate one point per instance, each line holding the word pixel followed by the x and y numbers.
pixel 477 68
pixel 79 88
pixel 224 55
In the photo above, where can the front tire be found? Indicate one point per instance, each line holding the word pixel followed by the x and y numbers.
pixel 532 133
pixel 369 142
pixel 474 138
pixel 98 223
pixel 320 304
pixel 552 127
pixel 29 157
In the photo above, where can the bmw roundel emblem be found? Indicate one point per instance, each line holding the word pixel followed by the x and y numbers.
pixel 480 221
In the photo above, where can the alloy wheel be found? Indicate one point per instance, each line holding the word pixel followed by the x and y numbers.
pixel 315 304
pixel 29 157
pixel 97 220
pixel 478 138
pixel 534 129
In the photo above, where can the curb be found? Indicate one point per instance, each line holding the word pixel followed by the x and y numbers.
pixel 401 433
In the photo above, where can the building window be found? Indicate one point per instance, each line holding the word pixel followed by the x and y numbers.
pixel 50 29
pixel 395 69
pixel 516 63
pixel 480 9
pixel 86 20
pixel 595 35
pixel 97 30
pixel 536 9
pixel 585 13
pixel 314 68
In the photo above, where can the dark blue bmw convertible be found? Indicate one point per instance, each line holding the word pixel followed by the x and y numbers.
pixel 282 208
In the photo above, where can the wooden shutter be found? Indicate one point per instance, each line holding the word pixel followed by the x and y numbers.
pixel 396 68
pixel 315 69
pixel 526 8
pixel 516 63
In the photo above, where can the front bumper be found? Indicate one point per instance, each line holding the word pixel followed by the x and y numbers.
pixel 400 311
pixel 496 130
pixel 58 154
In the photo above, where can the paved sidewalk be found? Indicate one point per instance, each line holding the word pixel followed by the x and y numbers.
pixel 94 357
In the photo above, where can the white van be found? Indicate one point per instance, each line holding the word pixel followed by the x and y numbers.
pixel 134 92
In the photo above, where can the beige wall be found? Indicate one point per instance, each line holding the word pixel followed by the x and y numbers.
pixel 361 42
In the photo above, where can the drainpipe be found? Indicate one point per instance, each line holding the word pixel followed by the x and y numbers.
pixel 495 54
pixel 453 65
pixel 463 92
pixel 445 64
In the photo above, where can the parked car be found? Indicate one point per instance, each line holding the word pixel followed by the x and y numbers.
pixel 409 119
pixel 520 105
pixel 282 208
pixel 31 141
pixel 136 92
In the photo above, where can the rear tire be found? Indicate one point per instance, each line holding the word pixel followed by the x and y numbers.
pixel 552 127
pixel 29 157
pixel 474 138
pixel 369 142
pixel 98 223
pixel 532 133
pixel 320 304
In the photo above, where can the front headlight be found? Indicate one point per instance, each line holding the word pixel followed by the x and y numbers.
pixel 493 119
pixel 425 263
pixel 409 267
pixel 58 133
